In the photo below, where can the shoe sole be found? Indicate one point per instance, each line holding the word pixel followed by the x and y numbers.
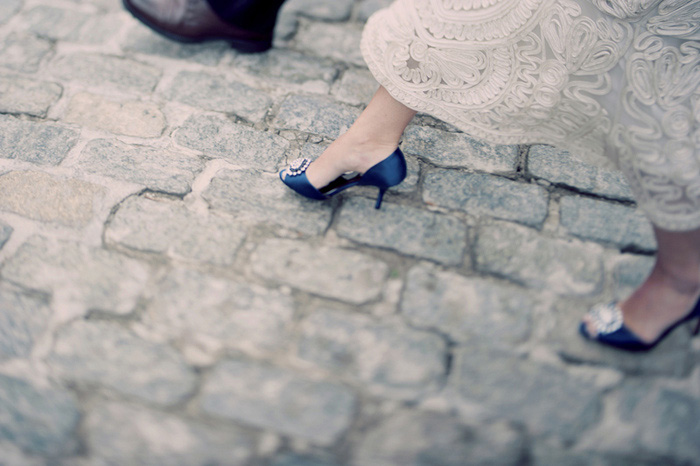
pixel 241 45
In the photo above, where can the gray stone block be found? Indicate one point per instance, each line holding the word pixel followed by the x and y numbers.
pixel 279 400
pixel 39 143
pixel 39 420
pixel 392 361
pixel 100 29
pixel 629 273
pixel 241 145
pixel 23 52
pixel 5 233
pixel 457 150
pixel 369 7
pixel 107 354
pixel 219 93
pixel 356 87
pixel 261 198
pixel 561 167
pixel 131 118
pixel 190 306
pixel 480 194
pixel 23 319
pixel 285 66
pixel 130 434
pixel 169 227
pixel 8 8
pixel 522 255
pixel 337 10
pixel 406 230
pixel 466 309
pixel 340 42
pixel 317 115
pixel 602 221
pixel 55 23
pixel 21 95
pixel 415 438
pixel 42 197
pixel 157 169
pixel 546 399
pixel 327 271
pixel 79 277
pixel 142 40
pixel 105 70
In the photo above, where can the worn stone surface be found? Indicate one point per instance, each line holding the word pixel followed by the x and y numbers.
pixel 45 144
pixel 37 419
pixel 404 229
pixel 258 197
pixel 527 392
pixel 218 93
pixel 422 438
pixel 22 95
pixel 45 198
pixel 356 87
pixel 169 227
pixel 458 150
pixel 466 309
pixel 23 52
pixel 23 318
pixel 108 354
pixel 338 10
pixel 142 40
pixel 629 273
pixel 392 361
pixel 130 434
pixel 315 115
pixel 82 277
pixel 521 255
pixel 369 7
pixel 9 8
pixel 480 194
pixel 327 271
pixel 55 23
pixel 601 221
pixel 283 67
pixel 5 233
pixel 241 145
pixel 340 42
pixel 562 168
pixel 131 118
pixel 97 70
pixel 157 169
pixel 194 307
pixel 278 399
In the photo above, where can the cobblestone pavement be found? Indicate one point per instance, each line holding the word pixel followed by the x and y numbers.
pixel 165 300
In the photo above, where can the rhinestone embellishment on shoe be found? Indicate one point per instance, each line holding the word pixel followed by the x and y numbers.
pixel 606 318
pixel 298 166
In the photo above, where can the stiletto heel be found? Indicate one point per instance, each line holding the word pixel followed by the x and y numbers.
pixel 610 329
pixel 387 173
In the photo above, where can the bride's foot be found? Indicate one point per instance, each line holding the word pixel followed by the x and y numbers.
pixel 665 298
pixel 347 154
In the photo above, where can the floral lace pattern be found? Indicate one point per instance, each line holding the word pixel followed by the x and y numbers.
pixel 614 77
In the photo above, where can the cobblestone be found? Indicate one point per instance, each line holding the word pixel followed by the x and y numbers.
pixel 5 233
pixel 55 23
pixel 326 271
pixel 215 92
pixel 9 8
pixel 42 197
pixel 335 41
pixel 21 95
pixel 520 254
pixel 356 87
pixel 480 194
pixel 219 138
pixel 369 7
pixel 596 220
pixel 404 229
pixel 33 142
pixel 39 420
pixel 560 167
pixel 278 399
pixel 156 169
pixel 389 360
pixel 629 273
pixel 23 52
pixel 131 118
pixel 107 354
pixel 285 67
pixel 142 40
pixel 457 150
pixel 338 10
pixel 316 115
pixel 23 319
pixel 97 70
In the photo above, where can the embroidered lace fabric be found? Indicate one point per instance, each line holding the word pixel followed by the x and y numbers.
pixel 619 78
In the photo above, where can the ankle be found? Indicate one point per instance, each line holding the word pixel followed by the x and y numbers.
pixel 684 279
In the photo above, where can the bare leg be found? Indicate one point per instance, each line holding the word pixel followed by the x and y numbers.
pixel 671 289
pixel 373 137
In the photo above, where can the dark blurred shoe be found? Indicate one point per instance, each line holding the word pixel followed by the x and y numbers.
pixel 195 21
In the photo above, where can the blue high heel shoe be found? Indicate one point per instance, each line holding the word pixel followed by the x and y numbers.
pixel 387 173
pixel 611 330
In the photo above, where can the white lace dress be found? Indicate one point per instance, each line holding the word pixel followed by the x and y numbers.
pixel 613 77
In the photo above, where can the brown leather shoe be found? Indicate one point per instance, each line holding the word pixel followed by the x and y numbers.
pixel 194 21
